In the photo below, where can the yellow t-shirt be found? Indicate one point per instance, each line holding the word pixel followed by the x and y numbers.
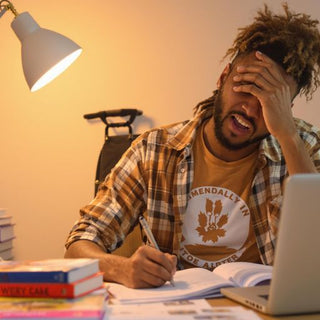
pixel 217 227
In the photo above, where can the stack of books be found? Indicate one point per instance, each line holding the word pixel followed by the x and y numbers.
pixel 52 288
pixel 6 235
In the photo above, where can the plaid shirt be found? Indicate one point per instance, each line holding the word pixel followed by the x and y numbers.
pixel 155 176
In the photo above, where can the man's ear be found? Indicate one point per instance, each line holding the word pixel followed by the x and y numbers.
pixel 223 75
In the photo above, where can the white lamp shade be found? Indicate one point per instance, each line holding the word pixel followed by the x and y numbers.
pixel 45 54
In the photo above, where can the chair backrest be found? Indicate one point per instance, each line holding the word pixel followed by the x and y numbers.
pixel 111 152
pixel 114 146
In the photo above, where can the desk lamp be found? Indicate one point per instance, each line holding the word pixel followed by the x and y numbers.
pixel 44 53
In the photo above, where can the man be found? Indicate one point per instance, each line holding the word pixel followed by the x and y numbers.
pixel 211 188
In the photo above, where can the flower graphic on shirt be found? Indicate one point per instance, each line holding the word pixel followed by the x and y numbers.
pixel 212 221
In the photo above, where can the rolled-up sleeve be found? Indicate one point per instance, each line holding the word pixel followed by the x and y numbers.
pixel 112 214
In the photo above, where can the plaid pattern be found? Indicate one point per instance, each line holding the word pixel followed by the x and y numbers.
pixel 155 175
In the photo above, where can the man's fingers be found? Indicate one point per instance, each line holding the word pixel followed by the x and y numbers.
pixel 164 260
pixel 248 88
pixel 161 264
pixel 263 69
pixel 151 268
pixel 259 75
pixel 173 260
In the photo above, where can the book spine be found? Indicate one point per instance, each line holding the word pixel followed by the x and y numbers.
pixel 36 290
pixel 71 314
pixel 27 277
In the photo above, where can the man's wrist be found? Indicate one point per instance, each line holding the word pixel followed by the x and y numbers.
pixel 291 141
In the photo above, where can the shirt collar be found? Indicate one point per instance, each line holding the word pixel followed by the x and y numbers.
pixel 187 133
pixel 269 147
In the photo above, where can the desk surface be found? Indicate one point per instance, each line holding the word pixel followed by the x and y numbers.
pixel 219 302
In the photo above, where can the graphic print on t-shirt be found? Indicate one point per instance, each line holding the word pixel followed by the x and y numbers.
pixel 215 227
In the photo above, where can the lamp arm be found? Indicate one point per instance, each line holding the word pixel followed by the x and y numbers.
pixel 7 5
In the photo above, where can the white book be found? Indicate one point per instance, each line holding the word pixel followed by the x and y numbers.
pixel 5 219
pixel 196 283
pixel 6 232
pixel 6 254
pixel 5 245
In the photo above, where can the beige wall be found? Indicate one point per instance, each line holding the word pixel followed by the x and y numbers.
pixel 162 56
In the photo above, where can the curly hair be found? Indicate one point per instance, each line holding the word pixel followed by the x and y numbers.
pixel 291 39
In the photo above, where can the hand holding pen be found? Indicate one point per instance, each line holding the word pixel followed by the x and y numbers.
pixel 151 238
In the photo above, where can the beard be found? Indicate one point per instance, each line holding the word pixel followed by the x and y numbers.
pixel 218 124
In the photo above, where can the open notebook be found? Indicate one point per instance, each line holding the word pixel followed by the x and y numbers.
pixel 195 283
pixel 295 285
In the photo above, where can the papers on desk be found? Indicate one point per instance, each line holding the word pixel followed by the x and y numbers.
pixel 178 310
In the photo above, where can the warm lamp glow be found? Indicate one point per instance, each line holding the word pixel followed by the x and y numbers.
pixel 45 53
pixel 56 70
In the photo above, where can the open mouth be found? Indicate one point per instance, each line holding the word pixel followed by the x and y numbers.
pixel 240 123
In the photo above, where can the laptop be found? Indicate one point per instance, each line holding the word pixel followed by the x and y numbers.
pixel 295 285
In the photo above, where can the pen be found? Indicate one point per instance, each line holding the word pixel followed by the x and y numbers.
pixel 150 237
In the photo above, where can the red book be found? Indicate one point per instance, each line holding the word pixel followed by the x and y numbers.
pixel 52 290
pixel 91 306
